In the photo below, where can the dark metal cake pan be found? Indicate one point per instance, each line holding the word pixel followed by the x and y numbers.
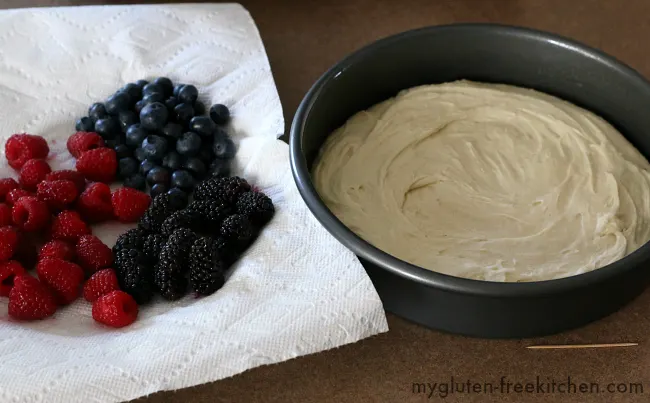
pixel 489 53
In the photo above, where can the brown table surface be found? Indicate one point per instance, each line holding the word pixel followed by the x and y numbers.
pixel 303 38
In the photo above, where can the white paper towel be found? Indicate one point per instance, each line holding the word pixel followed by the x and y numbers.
pixel 296 291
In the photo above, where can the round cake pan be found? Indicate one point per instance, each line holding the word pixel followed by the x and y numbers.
pixel 489 53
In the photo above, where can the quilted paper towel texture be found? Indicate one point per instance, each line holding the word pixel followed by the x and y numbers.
pixel 296 291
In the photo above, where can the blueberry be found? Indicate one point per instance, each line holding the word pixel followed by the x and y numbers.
pixel 172 160
pixel 97 111
pixel 171 103
pixel 166 85
pixel 139 154
pixel 85 124
pixel 173 130
pixel 151 88
pixel 136 181
pixel 189 144
pixel 219 114
pixel 177 89
pixel 127 119
pixel 223 147
pixel 138 106
pixel 183 179
pixel 177 198
pixel 153 97
pixel 135 92
pixel 199 108
pixel 220 167
pixel 154 116
pixel 195 166
pixel 146 166
pixel 155 147
pixel 108 127
pixel 118 102
pixel 135 134
pixel 123 151
pixel 158 189
pixel 188 94
pixel 141 84
pixel 203 126
pixel 183 113
pixel 206 155
pixel 127 167
pixel 114 142
pixel 158 175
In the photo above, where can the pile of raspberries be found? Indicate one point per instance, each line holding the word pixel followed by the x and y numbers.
pixel 179 246
pixel 45 219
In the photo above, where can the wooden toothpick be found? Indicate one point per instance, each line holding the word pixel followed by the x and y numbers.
pixel 569 346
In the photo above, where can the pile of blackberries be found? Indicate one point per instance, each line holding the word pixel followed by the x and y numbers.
pixel 162 137
pixel 178 247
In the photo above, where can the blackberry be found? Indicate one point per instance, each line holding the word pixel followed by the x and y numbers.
pixel 238 229
pixel 207 215
pixel 134 275
pixel 131 239
pixel 225 189
pixel 228 253
pixel 158 211
pixel 152 246
pixel 257 206
pixel 179 219
pixel 170 271
pixel 206 270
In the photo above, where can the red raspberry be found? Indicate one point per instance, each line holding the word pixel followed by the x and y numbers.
pixel 68 226
pixel 6 185
pixel 63 278
pixel 20 148
pixel 58 249
pixel 5 215
pixel 93 254
pixel 100 283
pixel 94 204
pixel 8 271
pixel 81 142
pixel 27 251
pixel 70 175
pixel 14 195
pixel 115 309
pixel 57 194
pixel 32 173
pixel 129 204
pixel 98 165
pixel 30 299
pixel 8 242
pixel 30 214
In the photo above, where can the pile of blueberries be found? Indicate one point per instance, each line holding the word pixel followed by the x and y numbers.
pixel 161 135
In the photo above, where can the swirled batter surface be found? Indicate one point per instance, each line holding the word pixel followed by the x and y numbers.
pixel 488 182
